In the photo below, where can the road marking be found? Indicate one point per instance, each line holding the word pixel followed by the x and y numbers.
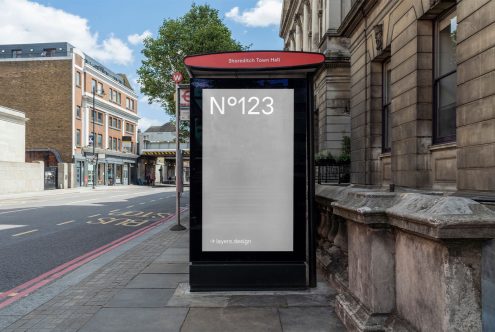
pixel 152 200
pixel 115 210
pixel 4 227
pixel 41 280
pixel 95 215
pixel 19 210
pixel 130 206
pixel 65 222
pixel 12 294
pixel 141 203
pixel 23 233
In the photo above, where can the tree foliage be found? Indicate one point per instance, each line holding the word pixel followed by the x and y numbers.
pixel 199 31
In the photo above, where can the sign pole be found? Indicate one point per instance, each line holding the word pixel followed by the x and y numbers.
pixel 178 157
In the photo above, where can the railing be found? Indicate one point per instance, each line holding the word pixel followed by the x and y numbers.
pixel 332 172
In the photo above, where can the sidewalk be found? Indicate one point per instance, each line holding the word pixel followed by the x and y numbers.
pixel 146 289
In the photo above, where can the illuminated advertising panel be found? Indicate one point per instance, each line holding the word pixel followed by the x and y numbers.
pixel 248 170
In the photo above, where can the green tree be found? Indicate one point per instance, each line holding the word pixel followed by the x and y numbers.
pixel 199 31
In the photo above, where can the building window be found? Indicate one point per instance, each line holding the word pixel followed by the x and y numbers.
pixel 93 86
pixel 78 112
pixel 78 79
pixel 98 116
pixel 129 104
pixel 119 147
pixel 99 89
pixel 119 124
pixel 48 52
pixel 129 127
pixel 78 137
pixel 100 140
pixel 445 83
pixel 115 96
pixel 16 53
pixel 386 102
pixel 110 142
pixel 114 144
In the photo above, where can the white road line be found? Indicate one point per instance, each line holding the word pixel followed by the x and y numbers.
pixel 4 227
pixel 23 233
pixel 19 210
pixel 152 200
pixel 65 222
pixel 94 215
pixel 130 206
pixel 115 210
pixel 141 203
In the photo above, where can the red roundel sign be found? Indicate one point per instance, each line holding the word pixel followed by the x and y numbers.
pixel 177 77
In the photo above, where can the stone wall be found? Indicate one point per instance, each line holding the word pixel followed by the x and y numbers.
pixel 12 135
pixel 18 177
pixel 409 261
pixel 403 31
pixel 476 95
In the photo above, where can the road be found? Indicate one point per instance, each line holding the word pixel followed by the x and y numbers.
pixel 39 233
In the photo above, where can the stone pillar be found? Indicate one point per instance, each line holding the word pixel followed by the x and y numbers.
pixel 298 36
pixel 305 28
pixel 315 37
pixel 414 261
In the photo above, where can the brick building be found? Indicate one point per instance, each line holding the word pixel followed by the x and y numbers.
pixel 417 78
pixel 53 84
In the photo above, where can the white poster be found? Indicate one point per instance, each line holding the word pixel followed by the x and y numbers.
pixel 248 158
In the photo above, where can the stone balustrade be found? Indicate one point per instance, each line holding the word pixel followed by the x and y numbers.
pixel 403 261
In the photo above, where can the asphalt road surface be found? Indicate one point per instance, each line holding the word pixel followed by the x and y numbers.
pixel 39 233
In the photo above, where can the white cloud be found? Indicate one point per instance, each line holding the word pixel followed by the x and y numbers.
pixel 263 14
pixel 135 39
pixel 24 21
pixel 145 123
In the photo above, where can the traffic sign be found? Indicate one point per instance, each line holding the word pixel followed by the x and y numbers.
pixel 177 77
pixel 185 98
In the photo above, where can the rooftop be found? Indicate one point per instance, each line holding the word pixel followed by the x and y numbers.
pixel 58 49
pixel 165 128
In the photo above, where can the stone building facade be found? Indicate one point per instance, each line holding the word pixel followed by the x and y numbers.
pixel 53 84
pixel 312 26
pixel 418 79
pixel 422 78
pixel 411 81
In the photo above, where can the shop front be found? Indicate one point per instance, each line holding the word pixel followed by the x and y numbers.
pixel 104 168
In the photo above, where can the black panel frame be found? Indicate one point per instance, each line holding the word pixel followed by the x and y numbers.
pixel 301 109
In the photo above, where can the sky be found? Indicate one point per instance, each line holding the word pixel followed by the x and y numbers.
pixel 112 31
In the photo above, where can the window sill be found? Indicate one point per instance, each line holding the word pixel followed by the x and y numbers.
pixel 385 155
pixel 443 146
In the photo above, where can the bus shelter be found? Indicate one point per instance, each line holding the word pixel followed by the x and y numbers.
pixel 251 162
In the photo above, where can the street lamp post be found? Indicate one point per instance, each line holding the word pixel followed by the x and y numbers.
pixel 95 158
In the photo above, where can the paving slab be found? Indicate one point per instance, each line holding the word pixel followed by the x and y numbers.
pixel 232 319
pixel 141 298
pixel 170 280
pixel 257 301
pixel 314 300
pixel 314 319
pixel 136 319
pixel 7 320
pixel 175 250
pixel 167 268
pixel 172 258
